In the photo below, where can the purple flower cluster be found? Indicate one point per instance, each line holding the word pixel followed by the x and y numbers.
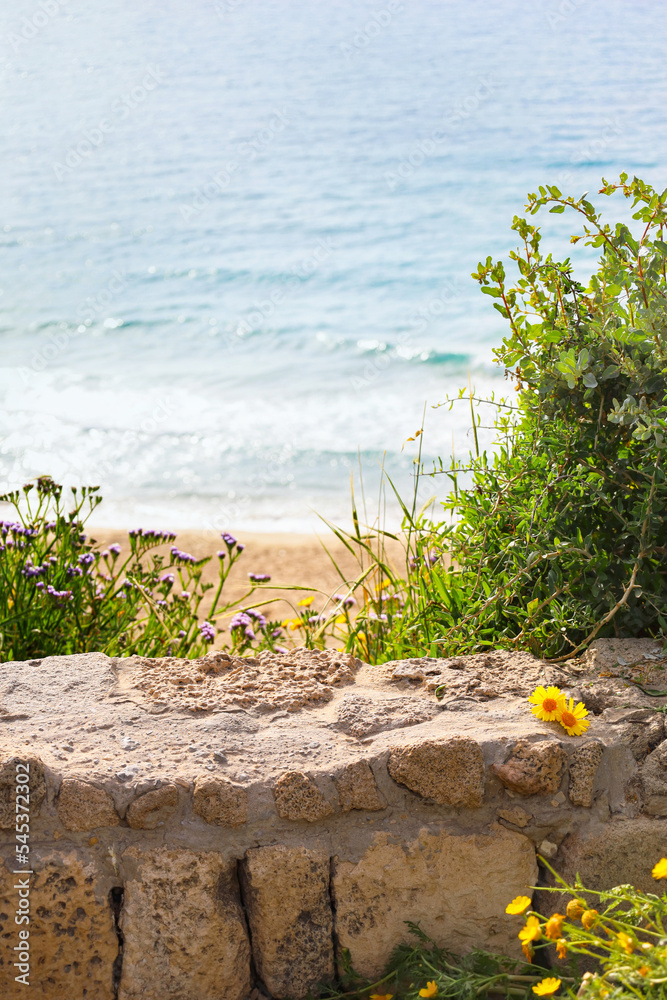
pixel 74 570
pixel 348 602
pixel 207 632
pixel 230 542
pixel 59 596
pixel 115 548
pixel 87 559
pixel 154 536
pixel 429 558
pixel 30 571
pixel 259 577
pixel 167 578
pixel 248 621
pixel 182 556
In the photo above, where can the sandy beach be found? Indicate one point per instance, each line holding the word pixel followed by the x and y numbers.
pixel 299 560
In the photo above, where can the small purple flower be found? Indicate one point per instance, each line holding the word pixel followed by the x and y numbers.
pixel 348 602
pixel 259 577
pixel 185 595
pixel 228 539
pixel 40 585
pixel 50 525
pixel 73 570
pixel 281 649
pixel 182 556
pixel 221 554
pixel 239 547
pixel 87 559
pixel 249 634
pixel 276 633
pixel 115 549
pixel 181 634
pixel 167 578
pixel 207 632
pixel 162 604
pixel 59 596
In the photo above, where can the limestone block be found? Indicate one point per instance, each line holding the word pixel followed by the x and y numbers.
pixel 73 940
pixel 220 802
pixel 287 900
pixel 533 768
pixel 357 788
pixel 584 764
pixel 153 808
pixel 450 772
pixel 82 806
pixel 457 887
pixel 298 797
pixel 36 784
pixel 184 932
pixel 654 781
pixel 516 815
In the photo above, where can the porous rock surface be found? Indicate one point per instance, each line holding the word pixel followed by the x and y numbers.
pixel 214 827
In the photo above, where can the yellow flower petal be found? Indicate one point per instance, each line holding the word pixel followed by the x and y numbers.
pixel 547 986
pixel 660 870
pixel 531 932
pixel 573 720
pixel 305 602
pixel 518 904
pixel 431 990
pixel 553 926
pixel 547 702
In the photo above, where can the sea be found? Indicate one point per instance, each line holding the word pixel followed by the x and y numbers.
pixel 237 236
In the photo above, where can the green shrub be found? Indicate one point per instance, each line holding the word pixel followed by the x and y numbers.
pixel 559 535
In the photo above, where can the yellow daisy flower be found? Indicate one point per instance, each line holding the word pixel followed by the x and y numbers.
pixel 561 947
pixel 574 909
pixel 528 951
pixel 660 870
pixel 381 996
pixel 531 932
pixel 430 990
pixel 626 942
pixel 589 918
pixel 305 602
pixel 573 720
pixel 554 926
pixel 547 987
pixel 518 904
pixel 547 702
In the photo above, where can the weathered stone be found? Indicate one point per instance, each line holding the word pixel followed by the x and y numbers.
pixel 286 893
pixel 357 788
pixel 584 764
pixel 82 806
pixel 73 941
pixel 153 808
pixel 298 797
pixel 8 782
pixel 643 735
pixel 456 887
pixel 533 768
pixel 220 802
pixel 654 781
pixel 516 815
pixel 450 772
pixel 183 927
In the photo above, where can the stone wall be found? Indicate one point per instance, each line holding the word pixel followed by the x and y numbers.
pixel 234 847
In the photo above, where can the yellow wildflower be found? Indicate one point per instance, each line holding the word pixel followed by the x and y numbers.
pixel 574 909
pixel 531 932
pixel 643 970
pixel 554 926
pixel 305 602
pixel 573 720
pixel 518 904
pixel 561 947
pixel 430 990
pixel 381 996
pixel 547 702
pixel 547 986
pixel 588 918
pixel 625 941
pixel 660 870
pixel 528 951
pixel 292 623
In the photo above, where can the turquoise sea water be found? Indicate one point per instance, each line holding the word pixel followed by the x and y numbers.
pixel 236 237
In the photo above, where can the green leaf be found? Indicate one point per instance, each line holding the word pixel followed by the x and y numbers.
pixel 557 209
